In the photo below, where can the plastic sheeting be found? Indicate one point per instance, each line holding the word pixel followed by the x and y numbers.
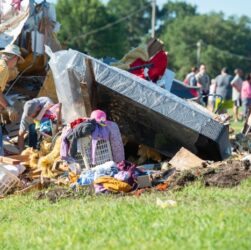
pixel 68 71
pixel 145 112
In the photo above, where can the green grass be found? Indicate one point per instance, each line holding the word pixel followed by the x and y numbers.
pixel 237 126
pixel 205 218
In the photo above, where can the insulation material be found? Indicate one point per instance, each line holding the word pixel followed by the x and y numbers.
pixel 33 157
pixel 146 113
pixel 46 163
pixel 131 56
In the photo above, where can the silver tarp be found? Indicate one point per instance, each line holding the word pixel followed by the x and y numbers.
pixel 145 113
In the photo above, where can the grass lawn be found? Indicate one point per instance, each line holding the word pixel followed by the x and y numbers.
pixel 205 218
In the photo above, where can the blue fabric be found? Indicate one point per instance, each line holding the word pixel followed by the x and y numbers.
pixel 86 178
pixel 45 127
pixel 106 169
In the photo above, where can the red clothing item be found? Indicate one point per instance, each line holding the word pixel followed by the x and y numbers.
pixel 77 121
pixel 159 62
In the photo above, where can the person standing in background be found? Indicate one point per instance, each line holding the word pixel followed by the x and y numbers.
pixel 190 78
pixel 203 81
pixel 246 96
pixel 224 89
pixel 236 97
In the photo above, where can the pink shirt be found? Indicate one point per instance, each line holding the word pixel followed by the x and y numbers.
pixel 246 90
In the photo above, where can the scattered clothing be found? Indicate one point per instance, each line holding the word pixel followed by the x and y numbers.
pixel 77 121
pixel 131 169
pixel 86 178
pixel 82 130
pixel 106 169
pixel 113 185
pixel 122 176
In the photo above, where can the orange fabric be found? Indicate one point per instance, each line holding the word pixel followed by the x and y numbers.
pixel 113 184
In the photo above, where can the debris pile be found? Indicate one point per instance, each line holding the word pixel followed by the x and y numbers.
pixel 116 128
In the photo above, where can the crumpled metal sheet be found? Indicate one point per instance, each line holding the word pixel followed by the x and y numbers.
pixel 145 112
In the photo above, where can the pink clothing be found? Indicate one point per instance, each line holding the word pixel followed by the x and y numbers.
pixel 246 90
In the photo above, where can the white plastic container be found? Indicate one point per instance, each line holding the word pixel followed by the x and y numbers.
pixel 7 181
pixel 103 152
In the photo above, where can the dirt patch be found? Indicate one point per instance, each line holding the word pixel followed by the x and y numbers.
pixel 58 193
pixel 228 174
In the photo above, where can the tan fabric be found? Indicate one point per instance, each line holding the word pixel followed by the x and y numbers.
pixel 131 56
pixel 4 74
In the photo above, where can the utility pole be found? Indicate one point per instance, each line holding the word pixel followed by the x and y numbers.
pixel 199 44
pixel 153 17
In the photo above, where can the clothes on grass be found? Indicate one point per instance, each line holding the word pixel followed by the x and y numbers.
pixel 131 169
pixel 107 169
pixel 113 185
pixel 122 176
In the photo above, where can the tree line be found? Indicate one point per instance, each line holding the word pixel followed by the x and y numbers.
pixel 114 28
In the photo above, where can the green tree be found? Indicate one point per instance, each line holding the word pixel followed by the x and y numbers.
pixel 138 23
pixel 87 26
pixel 225 42
pixel 172 10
